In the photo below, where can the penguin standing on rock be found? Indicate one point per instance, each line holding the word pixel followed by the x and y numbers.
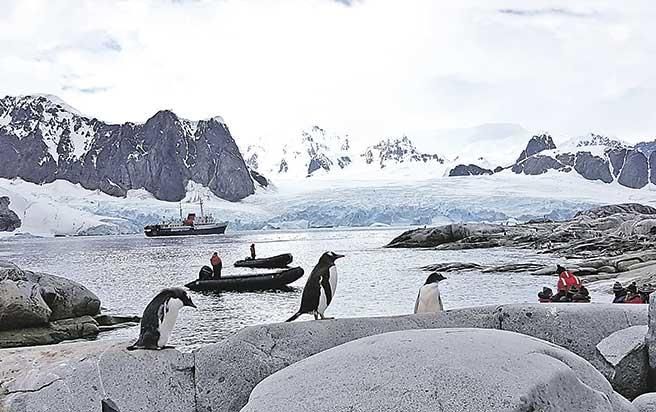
pixel 159 318
pixel 428 299
pixel 320 287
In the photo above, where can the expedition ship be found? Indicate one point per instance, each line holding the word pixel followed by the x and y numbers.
pixel 192 225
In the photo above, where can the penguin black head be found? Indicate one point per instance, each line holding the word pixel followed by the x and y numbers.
pixel 178 293
pixel 434 278
pixel 330 257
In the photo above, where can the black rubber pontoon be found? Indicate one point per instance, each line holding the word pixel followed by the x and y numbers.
pixel 273 262
pixel 262 281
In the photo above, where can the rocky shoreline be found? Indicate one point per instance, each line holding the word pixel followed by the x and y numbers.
pixel 41 309
pixel 599 349
pixel 602 245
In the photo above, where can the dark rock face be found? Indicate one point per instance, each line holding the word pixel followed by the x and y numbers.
pixel 592 167
pixel 41 141
pixel 9 220
pixel 469 170
pixel 617 157
pixel 259 179
pixel 397 151
pixel 652 168
pixel 498 169
pixel 537 165
pixel 536 145
pixel 635 171
pixel 566 158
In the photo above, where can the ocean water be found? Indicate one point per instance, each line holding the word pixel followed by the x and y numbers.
pixel 127 271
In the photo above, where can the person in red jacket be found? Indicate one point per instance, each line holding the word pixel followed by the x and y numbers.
pixel 566 280
pixel 217 265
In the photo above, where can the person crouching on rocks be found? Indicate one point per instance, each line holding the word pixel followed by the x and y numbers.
pixel 566 280
pixel 546 295
pixel 581 295
pixel 217 265
pixel 632 295
pixel 620 293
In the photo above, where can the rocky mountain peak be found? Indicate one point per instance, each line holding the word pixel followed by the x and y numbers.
pixel 42 139
pixel 397 150
pixel 537 144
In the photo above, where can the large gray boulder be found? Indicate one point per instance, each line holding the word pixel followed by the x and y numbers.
pixel 646 402
pixel 447 369
pixel 84 327
pixel 626 353
pixel 617 157
pixel 75 377
pixel 227 372
pixel 29 299
pixel 21 305
pixel 635 173
pixel 9 220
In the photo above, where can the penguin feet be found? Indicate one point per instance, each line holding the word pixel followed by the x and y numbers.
pixel 166 347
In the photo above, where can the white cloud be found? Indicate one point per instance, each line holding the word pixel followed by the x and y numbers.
pixel 372 67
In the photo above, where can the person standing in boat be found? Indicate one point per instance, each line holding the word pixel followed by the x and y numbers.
pixel 252 251
pixel 217 265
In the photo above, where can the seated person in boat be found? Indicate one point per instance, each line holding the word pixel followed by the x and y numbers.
pixel 217 265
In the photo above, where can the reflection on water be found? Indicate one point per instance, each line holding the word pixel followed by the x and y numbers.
pixel 127 271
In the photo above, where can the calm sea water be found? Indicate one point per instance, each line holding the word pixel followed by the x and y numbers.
pixel 127 271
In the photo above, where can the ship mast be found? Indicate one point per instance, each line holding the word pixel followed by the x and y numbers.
pixel 202 213
pixel 180 204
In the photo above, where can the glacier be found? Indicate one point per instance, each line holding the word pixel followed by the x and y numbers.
pixel 398 198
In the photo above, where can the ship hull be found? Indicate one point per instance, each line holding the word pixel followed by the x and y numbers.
pixel 158 231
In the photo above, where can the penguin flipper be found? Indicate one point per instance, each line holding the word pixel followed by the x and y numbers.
pixel 294 316
pixel 108 405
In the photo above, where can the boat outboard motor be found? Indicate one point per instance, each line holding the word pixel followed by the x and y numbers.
pixel 205 273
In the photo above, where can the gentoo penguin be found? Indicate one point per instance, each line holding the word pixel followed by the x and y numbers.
pixel 159 318
pixel 428 299
pixel 320 287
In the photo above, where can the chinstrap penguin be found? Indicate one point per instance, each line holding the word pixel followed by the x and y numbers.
pixel 320 287
pixel 428 298
pixel 159 318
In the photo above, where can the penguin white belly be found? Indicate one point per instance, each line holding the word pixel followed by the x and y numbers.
pixel 429 300
pixel 166 324
pixel 323 300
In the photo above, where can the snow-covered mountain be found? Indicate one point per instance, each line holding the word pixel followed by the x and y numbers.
pixel 42 139
pixel 594 157
pixel 319 152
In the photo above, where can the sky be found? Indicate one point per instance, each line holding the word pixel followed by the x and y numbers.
pixel 370 68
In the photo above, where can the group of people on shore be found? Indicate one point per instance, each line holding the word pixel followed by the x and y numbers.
pixel 631 293
pixel 571 289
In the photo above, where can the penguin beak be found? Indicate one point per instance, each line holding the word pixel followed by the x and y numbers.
pixel 337 256
pixel 191 304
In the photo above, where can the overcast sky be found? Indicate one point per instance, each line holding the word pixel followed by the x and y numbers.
pixel 374 68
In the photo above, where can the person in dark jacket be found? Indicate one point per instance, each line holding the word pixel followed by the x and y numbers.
pixel 217 265
pixel 546 295
pixel 620 293
pixel 252 250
